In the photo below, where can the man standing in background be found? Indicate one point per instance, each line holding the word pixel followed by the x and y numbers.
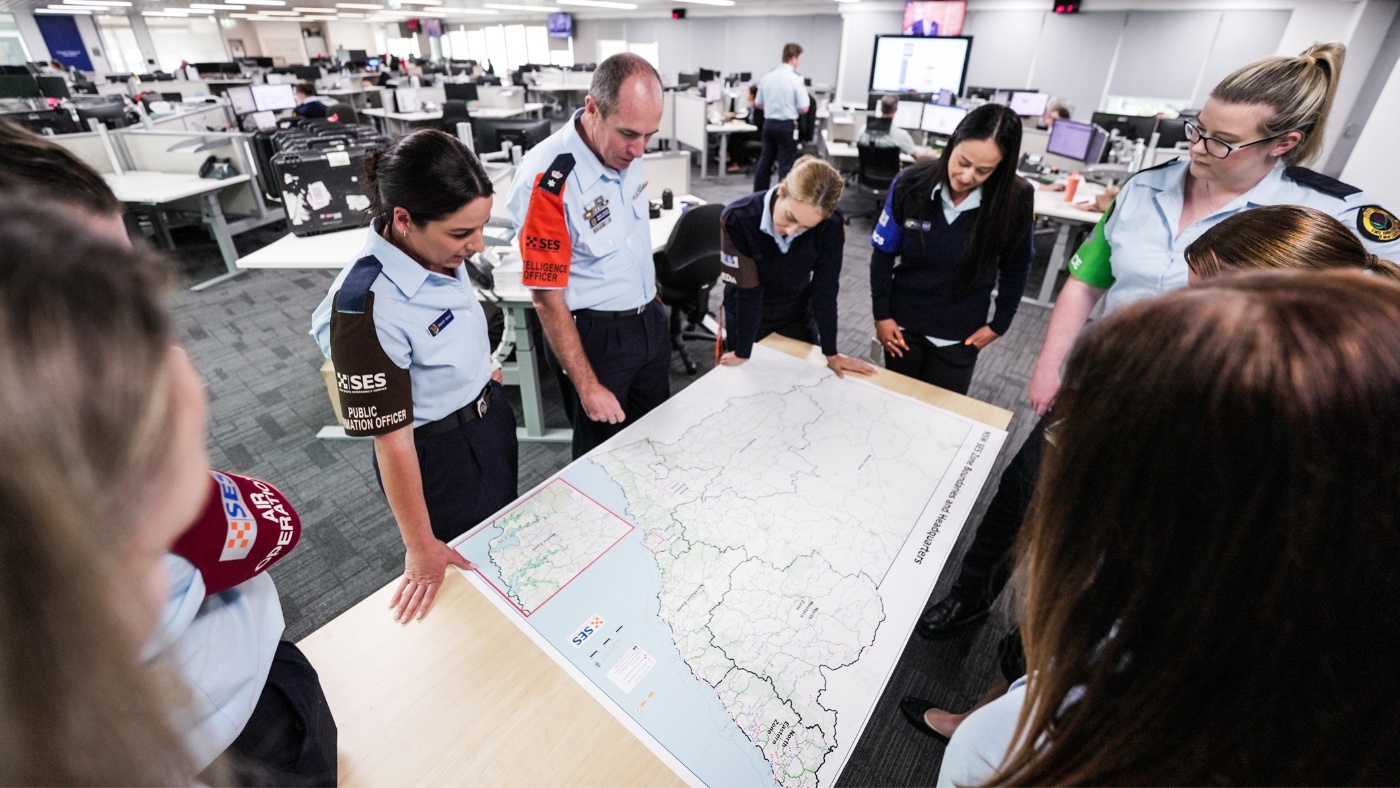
pixel 782 96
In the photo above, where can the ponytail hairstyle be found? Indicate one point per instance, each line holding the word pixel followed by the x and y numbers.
pixel 1299 91
pixel 814 182
pixel 428 173
pixel 1275 237
pixel 998 227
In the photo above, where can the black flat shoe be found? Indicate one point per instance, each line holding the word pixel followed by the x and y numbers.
pixel 950 615
pixel 913 710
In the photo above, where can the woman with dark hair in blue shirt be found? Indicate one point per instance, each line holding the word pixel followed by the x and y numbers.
pixel 953 228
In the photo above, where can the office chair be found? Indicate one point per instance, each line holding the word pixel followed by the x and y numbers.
pixel 876 170
pixel 342 113
pixel 454 112
pixel 686 271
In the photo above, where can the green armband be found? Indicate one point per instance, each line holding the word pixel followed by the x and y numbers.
pixel 1091 262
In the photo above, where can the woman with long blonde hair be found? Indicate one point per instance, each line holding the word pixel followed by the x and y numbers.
pixel 103 440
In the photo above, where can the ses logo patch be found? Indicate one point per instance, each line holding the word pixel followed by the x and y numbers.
pixel 542 244
pixel 586 631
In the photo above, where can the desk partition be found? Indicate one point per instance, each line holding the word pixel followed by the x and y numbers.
pixel 670 170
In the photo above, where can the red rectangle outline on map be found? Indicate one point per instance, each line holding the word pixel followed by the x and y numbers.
pixel 521 502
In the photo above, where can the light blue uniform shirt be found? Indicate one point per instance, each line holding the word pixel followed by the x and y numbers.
pixel 1148 248
pixel 612 267
pixel 782 94
pixel 222 645
pixel 447 370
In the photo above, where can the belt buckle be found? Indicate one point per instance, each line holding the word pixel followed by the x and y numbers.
pixel 483 404
pixel 641 309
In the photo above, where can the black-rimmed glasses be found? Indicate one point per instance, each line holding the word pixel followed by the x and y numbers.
pixel 1219 148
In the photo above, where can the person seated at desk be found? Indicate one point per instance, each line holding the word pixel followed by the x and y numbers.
pixel 781 253
pixel 892 136
pixel 1059 108
pixel 308 106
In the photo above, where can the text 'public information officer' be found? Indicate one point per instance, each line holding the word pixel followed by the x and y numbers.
pixel 580 211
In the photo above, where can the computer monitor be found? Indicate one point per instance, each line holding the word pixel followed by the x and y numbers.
pixel 1134 127
pixel 908 114
pixel 357 56
pixel 688 79
pixel 980 93
pixel 47 122
pixel 902 64
pixel 1029 105
pixel 1171 132
pixel 241 96
pixel 113 115
pixel 1002 97
pixel 708 75
pixel 947 98
pixel 1071 140
pixel 461 91
pixel 745 76
pixel 16 86
pixel 272 98
pixel 406 100
pixel 942 120
pixel 490 133
pixel 54 87
pixel 307 73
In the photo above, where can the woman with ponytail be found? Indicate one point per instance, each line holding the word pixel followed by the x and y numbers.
pixel 413 364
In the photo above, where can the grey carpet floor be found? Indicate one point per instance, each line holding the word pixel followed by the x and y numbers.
pixel 249 338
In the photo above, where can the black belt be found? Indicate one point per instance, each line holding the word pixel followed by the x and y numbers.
pixel 467 413
pixel 605 313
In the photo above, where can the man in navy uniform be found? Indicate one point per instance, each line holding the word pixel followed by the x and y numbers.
pixel 581 217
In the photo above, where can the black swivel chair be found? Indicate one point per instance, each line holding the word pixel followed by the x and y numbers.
pixel 342 113
pixel 877 168
pixel 454 111
pixel 686 272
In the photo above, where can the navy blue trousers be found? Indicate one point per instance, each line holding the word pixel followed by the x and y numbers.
pixel 779 145
pixel 470 472
pixel 631 356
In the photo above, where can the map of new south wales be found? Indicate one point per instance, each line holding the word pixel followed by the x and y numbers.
pixel 774 532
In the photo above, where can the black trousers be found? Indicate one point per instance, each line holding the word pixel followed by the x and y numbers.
pixel 946 367
pixel 631 356
pixel 471 472
pixel 291 737
pixel 779 145
pixel 986 566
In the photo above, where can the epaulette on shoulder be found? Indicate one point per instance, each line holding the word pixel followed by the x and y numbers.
pixel 552 179
pixel 354 291
pixel 1318 182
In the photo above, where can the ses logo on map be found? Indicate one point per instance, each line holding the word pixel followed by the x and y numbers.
pixel 586 631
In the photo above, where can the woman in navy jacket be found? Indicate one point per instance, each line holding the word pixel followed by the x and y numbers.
pixel 952 228
pixel 781 252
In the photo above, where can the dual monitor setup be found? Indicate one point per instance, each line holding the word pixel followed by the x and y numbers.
pixel 261 102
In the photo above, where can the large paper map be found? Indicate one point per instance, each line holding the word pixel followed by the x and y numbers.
pixel 736 575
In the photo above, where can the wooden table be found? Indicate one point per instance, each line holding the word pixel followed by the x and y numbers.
pixel 464 697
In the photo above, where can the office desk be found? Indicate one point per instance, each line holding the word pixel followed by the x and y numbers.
pixel 401 121
pixel 356 97
pixel 338 249
pixel 1052 205
pixel 155 189
pixel 463 697
pixel 566 90
pixel 723 130
pixel 848 150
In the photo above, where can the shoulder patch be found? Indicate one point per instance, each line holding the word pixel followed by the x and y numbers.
pixel 355 289
pixel 552 179
pixel 1323 183
pixel 1378 224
